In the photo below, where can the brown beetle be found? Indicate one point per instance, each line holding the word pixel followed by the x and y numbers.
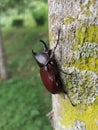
pixel 49 70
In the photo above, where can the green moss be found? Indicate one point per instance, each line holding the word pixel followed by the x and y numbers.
pixel 69 19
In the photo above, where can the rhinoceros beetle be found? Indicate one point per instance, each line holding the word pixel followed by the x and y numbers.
pixel 49 70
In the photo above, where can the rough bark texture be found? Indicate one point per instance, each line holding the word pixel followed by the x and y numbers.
pixel 3 68
pixel 77 53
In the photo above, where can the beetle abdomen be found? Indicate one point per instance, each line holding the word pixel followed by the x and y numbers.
pixel 50 79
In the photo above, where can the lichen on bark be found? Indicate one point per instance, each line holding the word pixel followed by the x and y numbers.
pixel 83 62
pixel 77 54
pixel 83 82
pixel 73 115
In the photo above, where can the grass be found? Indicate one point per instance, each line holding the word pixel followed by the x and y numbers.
pixel 24 102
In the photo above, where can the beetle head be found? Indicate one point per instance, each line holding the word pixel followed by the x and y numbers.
pixel 47 56
pixel 42 58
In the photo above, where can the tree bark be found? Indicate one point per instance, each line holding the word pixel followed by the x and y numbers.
pixel 77 53
pixel 3 67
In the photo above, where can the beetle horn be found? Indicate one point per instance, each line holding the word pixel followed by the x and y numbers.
pixel 33 53
pixel 45 46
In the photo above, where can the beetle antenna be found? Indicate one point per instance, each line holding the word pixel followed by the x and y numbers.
pixel 58 38
pixel 52 53
pixel 71 101
pixel 45 46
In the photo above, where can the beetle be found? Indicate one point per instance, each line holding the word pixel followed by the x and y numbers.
pixel 49 70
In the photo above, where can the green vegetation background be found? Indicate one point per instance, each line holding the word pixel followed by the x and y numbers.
pixel 24 102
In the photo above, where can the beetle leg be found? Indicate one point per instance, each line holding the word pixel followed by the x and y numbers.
pixel 65 91
pixel 45 46
pixel 64 72
pixel 71 101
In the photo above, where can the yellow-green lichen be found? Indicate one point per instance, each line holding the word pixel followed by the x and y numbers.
pixel 88 115
pixel 69 19
pixel 82 83
pixel 90 3
pixel 85 49
pixel 87 34
pixel 88 13
pixel 90 64
pixel 92 34
pixel 81 86
pixel 51 35
pixel 85 57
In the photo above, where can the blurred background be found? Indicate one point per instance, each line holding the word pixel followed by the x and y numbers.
pixel 24 101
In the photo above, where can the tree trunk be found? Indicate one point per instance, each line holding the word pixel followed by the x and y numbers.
pixel 77 53
pixel 3 67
